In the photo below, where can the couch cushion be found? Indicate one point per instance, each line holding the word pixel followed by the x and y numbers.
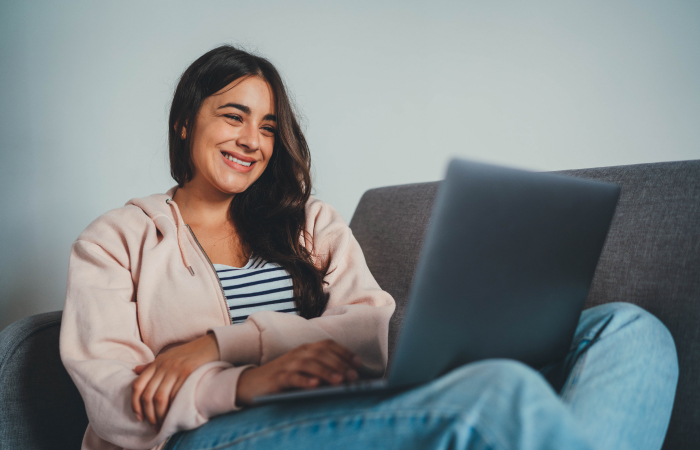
pixel 651 258
pixel 41 408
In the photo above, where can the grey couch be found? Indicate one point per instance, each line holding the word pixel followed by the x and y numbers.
pixel 651 258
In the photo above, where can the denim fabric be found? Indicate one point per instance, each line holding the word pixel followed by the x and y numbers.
pixel 614 390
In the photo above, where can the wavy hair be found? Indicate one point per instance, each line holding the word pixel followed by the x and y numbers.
pixel 270 215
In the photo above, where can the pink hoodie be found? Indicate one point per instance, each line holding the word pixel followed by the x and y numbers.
pixel 139 283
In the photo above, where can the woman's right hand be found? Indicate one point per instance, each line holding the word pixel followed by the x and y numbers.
pixel 303 367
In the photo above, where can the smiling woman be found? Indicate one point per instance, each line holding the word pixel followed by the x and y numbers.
pixel 237 283
pixel 150 335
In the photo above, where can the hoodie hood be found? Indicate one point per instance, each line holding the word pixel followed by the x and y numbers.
pixel 157 205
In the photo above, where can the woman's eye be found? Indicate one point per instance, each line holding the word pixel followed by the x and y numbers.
pixel 234 117
pixel 269 130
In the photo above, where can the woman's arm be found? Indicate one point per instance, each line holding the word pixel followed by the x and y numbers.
pixel 303 367
pixel 100 346
pixel 159 381
pixel 357 315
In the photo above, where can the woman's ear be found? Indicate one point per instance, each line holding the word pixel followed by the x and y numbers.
pixel 183 132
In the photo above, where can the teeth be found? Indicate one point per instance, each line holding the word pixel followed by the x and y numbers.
pixel 236 160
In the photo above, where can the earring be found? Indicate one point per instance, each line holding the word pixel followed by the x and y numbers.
pixel 182 135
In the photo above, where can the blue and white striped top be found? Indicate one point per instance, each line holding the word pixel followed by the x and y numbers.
pixel 258 286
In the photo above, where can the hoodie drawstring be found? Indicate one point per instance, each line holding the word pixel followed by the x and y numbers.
pixel 180 225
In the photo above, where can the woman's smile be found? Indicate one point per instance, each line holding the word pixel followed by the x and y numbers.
pixel 238 162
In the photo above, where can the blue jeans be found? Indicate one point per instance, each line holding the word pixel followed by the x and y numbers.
pixel 614 390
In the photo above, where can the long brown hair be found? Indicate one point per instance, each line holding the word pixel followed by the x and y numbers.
pixel 270 215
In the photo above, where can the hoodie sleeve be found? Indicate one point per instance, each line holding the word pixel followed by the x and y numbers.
pixel 356 316
pixel 100 345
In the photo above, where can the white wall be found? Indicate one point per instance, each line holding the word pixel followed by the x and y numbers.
pixel 389 92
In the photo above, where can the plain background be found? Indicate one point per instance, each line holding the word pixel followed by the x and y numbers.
pixel 388 91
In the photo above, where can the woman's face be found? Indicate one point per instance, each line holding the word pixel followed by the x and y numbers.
pixel 234 134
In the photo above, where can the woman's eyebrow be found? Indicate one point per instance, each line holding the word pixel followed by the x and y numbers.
pixel 246 110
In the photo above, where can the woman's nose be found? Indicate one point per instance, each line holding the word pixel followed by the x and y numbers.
pixel 248 139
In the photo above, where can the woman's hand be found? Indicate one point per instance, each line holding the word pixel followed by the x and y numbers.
pixel 160 381
pixel 303 367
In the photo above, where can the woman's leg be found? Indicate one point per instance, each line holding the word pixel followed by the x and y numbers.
pixel 620 377
pixel 493 404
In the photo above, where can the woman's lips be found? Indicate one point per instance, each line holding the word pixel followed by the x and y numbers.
pixel 237 167
pixel 239 156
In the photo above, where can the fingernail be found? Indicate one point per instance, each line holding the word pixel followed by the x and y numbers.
pixel 336 378
pixel 139 417
pixel 351 375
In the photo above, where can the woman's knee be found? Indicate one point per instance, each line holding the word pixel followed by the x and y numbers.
pixel 619 315
pixel 638 329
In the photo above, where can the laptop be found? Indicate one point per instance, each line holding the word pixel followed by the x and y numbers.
pixel 504 271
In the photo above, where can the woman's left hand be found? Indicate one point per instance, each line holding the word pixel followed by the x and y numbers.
pixel 160 380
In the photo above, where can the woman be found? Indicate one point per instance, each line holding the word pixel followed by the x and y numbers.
pixel 236 283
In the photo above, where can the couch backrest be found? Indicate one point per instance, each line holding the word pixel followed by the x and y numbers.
pixel 651 258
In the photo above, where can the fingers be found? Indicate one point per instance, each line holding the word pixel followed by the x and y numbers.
pixel 301 381
pixel 335 357
pixel 147 398
pixel 162 397
pixel 316 369
pixel 155 390
pixel 140 368
pixel 343 352
pixel 340 368
pixel 138 387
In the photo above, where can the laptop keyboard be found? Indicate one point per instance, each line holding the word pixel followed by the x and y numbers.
pixel 362 385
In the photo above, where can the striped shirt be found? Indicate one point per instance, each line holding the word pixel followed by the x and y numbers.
pixel 258 286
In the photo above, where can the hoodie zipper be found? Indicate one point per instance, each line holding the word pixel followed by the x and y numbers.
pixel 223 295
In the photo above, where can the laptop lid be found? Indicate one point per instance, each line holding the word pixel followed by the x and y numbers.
pixel 504 271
